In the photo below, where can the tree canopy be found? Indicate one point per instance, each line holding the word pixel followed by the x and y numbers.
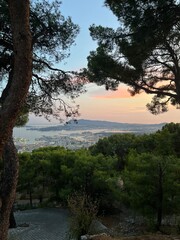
pixel 149 176
pixel 56 172
pixel 143 52
pixel 52 36
pixel 151 185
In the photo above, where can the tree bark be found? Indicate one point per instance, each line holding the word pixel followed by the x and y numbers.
pixel 12 220
pixel 160 199
pixel 11 106
pixel 30 195
pixel 8 186
pixel 22 48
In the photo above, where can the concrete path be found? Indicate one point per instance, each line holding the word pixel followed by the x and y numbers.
pixel 41 224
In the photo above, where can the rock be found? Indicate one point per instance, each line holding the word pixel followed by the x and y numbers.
pixel 84 237
pixel 99 236
pixel 96 227
pixel 94 237
pixel 23 225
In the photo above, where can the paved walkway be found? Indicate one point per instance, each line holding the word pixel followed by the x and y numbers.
pixel 41 224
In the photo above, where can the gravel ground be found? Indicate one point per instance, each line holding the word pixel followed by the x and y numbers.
pixel 40 224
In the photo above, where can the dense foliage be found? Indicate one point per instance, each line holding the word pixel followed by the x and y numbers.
pixel 139 171
pixel 150 174
pixel 56 172
pixel 151 185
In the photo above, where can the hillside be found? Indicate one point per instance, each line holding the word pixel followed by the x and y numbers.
pixel 96 124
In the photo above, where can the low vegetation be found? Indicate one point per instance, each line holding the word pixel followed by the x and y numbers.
pixel 84 211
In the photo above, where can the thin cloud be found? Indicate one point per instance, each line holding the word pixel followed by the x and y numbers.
pixel 120 93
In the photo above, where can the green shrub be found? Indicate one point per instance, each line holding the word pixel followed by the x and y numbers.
pixel 83 210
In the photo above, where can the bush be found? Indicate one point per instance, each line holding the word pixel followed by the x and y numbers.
pixel 84 210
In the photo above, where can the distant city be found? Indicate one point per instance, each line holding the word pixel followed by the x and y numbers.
pixel 75 134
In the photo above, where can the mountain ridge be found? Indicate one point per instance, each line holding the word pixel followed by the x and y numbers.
pixel 85 124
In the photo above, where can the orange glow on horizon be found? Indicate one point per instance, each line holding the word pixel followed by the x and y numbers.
pixel 120 93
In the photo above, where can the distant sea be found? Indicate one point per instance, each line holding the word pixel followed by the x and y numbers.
pixel 29 135
pixel 34 132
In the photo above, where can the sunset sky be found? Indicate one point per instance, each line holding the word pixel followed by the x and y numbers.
pixel 97 103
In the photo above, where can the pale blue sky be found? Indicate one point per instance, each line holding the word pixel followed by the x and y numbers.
pixel 85 13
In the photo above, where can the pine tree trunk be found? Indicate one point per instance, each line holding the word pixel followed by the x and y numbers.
pixel 22 69
pixel 12 104
pixel 160 199
pixel 8 186
pixel 30 196
pixel 12 221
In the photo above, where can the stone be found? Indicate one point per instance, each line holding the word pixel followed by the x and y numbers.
pixel 23 225
pixel 98 236
pixel 96 227
pixel 84 237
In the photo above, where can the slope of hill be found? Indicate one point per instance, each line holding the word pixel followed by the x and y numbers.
pixel 95 124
